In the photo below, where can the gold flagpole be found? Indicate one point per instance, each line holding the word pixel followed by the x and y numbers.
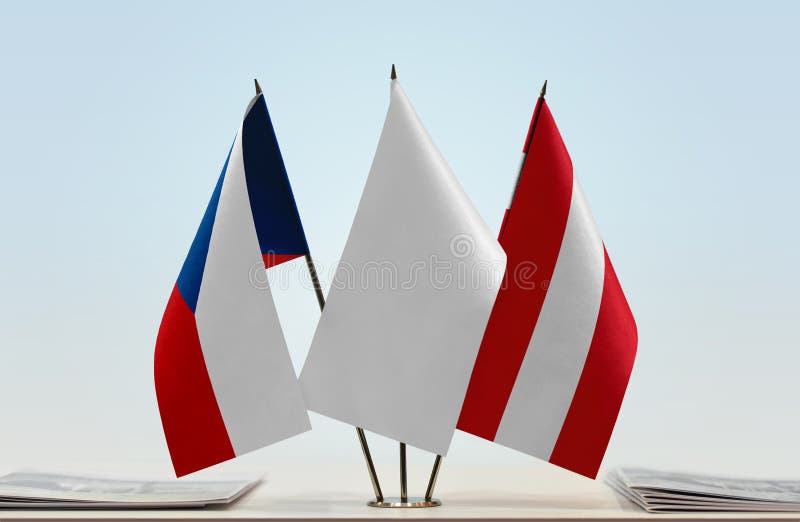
pixel 362 439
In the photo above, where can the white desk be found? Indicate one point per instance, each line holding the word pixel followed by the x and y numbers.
pixel 467 494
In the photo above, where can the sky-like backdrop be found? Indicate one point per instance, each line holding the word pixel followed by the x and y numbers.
pixel 681 119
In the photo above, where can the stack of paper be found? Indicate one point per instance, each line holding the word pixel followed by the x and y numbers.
pixel 37 490
pixel 664 492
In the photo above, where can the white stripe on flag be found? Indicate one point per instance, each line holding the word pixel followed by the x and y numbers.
pixel 242 341
pixel 557 351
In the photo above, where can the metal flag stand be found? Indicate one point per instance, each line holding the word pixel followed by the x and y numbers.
pixel 403 501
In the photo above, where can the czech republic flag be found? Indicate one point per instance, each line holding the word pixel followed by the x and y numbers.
pixel 223 376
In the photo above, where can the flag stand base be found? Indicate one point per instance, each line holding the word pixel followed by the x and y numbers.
pixel 404 501
pixel 411 502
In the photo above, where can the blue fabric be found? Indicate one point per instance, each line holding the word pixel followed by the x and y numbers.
pixel 274 210
pixel 192 272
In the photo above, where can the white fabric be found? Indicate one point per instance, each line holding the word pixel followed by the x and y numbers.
pixel 549 374
pixel 243 345
pixel 395 346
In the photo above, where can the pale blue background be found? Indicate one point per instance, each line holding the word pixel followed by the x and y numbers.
pixel 682 122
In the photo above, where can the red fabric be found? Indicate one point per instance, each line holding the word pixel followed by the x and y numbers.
pixel 591 417
pixel 532 126
pixel 193 425
pixel 271 259
pixel 531 237
pixel 503 225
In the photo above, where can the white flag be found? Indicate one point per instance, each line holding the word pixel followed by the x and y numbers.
pixel 397 341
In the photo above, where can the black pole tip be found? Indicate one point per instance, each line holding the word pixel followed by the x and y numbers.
pixel 544 90
pixel 394 73
pixel 258 87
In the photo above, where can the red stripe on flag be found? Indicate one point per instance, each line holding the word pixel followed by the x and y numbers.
pixel 193 425
pixel 591 417
pixel 532 234
pixel 503 225
pixel 532 126
pixel 271 259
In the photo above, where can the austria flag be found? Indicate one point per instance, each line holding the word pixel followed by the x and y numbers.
pixel 559 348
pixel 224 379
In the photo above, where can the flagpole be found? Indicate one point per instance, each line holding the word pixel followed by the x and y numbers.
pixel 428 500
pixel 362 438
pixel 434 475
pixel 437 464
pixel 403 471
pixel 528 141
pixel 403 474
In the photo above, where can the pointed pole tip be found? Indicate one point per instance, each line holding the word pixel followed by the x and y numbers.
pixel 394 73
pixel 258 87
pixel 544 89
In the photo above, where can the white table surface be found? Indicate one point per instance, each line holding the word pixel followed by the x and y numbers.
pixel 325 492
